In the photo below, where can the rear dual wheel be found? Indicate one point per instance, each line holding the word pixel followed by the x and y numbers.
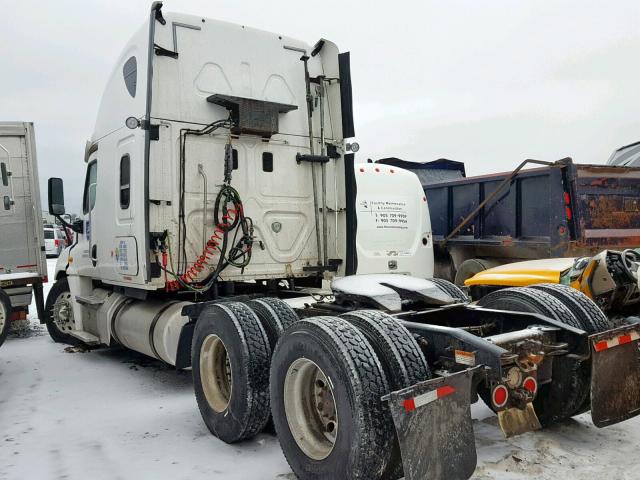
pixel 230 366
pixel 231 353
pixel 326 385
pixel 591 318
pixel 328 375
pixel 401 358
pixel 568 390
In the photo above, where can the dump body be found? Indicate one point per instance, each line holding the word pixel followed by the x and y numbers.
pixel 22 257
pixel 563 210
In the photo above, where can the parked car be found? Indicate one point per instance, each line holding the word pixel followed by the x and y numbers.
pixel 54 241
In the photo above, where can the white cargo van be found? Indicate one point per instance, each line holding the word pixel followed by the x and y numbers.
pixel 54 241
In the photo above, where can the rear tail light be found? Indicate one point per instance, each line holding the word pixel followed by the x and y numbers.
pixel 500 396
pixel 45 279
pixel 569 213
pixel 530 384
pixel 56 242
pixel 567 205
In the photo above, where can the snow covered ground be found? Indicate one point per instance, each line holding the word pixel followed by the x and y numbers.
pixel 114 414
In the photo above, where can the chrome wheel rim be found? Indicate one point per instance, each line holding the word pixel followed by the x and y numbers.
pixel 310 408
pixel 63 312
pixel 215 373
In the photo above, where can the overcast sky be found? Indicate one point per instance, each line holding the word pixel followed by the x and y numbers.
pixel 487 82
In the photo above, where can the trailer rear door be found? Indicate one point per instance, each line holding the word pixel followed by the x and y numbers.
pixel 20 217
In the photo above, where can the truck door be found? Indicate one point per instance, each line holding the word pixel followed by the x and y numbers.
pixel 88 209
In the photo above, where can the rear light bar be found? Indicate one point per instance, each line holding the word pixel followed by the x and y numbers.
pixel 567 206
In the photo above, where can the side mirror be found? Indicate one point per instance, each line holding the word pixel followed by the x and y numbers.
pixel 56 196
pixel 5 174
pixel 8 202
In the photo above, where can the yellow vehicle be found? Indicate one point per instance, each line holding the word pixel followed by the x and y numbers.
pixel 609 278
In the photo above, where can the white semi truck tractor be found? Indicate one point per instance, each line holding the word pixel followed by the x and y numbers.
pixel 227 228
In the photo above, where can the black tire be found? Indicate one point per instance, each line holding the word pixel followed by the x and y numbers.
pixel 451 289
pixel 566 393
pixel 275 315
pixel 592 319
pixel 402 360
pixel 246 353
pixel 364 433
pixel 57 328
pixel 586 311
pixel 399 354
pixel 5 312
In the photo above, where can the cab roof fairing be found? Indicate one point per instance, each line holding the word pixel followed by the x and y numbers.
pixel 116 103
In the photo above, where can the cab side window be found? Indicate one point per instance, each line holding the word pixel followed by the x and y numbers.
pixel 90 184
pixel 125 186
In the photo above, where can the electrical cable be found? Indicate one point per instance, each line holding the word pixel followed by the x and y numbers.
pixel 228 217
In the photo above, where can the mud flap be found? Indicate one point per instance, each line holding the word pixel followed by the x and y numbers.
pixel 615 375
pixel 516 421
pixel 433 422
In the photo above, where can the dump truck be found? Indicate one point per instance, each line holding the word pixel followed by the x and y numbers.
pixel 227 228
pixel 558 209
pixel 23 267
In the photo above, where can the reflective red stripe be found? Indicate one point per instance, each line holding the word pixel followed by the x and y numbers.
pixel 624 339
pixel 444 391
pixel 601 345
pixel 26 266
pixel 411 404
pixel 632 336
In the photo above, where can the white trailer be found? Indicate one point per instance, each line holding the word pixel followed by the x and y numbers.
pixel 220 191
pixel 23 268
